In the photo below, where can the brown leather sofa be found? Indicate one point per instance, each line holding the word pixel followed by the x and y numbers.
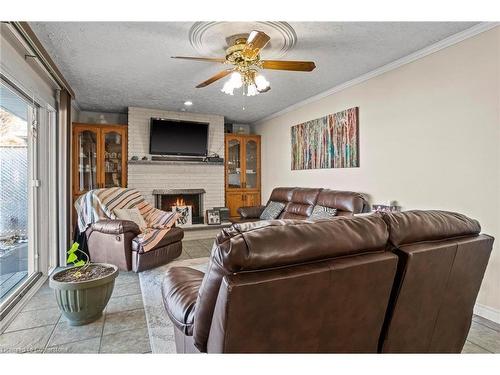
pixel 404 282
pixel 113 241
pixel 299 203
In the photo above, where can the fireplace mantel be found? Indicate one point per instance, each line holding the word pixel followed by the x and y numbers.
pixel 178 191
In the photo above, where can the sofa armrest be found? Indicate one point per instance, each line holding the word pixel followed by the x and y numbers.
pixel 251 212
pixel 180 291
pixel 116 227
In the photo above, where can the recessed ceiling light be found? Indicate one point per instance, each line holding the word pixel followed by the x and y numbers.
pixel 188 103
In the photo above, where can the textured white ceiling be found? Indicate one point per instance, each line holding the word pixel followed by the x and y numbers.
pixel 112 66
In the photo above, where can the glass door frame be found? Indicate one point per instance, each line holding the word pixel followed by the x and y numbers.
pixel 33 195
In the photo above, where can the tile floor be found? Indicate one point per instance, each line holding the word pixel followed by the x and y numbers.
pixel 40 328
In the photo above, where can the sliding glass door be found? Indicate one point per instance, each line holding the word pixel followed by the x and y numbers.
pixel 18 148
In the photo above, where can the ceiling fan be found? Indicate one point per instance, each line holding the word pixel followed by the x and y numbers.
pixel 244 56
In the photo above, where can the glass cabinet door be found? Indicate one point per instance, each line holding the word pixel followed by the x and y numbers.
pixel 251 164
pixel 113 159
pixel 234 172
pixel 87 160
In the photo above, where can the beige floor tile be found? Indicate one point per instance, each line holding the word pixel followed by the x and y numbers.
pixel 64 333
pixel 34 318
pixel 484 337
pixel 471 348
pixel 134 341
pixel 128 289
pixel 126 278
pixel 124 303
pixel 33 339
pixel 124 320
pixel 486 322
pixel 89 346
pixel 41 301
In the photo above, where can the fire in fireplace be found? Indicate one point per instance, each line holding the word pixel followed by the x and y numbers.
pixel 182 198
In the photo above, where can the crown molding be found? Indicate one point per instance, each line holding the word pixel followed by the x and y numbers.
pixel 447 42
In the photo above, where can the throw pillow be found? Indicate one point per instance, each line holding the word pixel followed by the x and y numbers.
pixel 272 210
pixel 131 214
pixel 323 212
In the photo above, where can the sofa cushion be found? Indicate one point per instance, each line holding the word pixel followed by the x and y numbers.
pixel 272 210
pixel 342 200
pixel 180 291
pixel 131 214
pixel 281 194
pixel 175 234
pixel 323 212
pixel 417 226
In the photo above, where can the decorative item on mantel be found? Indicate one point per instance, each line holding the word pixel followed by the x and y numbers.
pixel 391 206
pixel 135 157
pixel 223 213
pixel 185 212
pixel 213 217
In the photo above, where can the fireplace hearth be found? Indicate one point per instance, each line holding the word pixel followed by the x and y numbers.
pixel 165 199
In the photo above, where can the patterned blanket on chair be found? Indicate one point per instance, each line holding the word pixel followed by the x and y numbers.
pixel 99 204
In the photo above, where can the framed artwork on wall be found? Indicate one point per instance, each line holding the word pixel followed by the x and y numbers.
pixel 331 141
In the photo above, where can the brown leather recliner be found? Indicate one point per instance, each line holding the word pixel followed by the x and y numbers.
pixel 286 286
pixel 442 263
pixel 113 241
pixel 298 286
pixel 299 203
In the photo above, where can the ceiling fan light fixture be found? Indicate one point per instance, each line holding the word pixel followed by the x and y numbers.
pixel 251 90
pixel 228 88
pixel 262 83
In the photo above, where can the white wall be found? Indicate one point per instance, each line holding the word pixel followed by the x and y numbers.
pixel 89 117
pixel 146 178
pixel 429 138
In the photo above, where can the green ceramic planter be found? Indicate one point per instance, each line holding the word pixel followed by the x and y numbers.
pixel 83 302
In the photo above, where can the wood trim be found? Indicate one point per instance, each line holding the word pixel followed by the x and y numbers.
pixel 28 34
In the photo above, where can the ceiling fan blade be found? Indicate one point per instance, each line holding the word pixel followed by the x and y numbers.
pixel 255 42
pixel 205 59
pixel 215 78
pixel 298 66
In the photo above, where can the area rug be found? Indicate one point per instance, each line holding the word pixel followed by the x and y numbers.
pixel 161 330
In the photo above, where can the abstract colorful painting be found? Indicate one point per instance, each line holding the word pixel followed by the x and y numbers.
pixel 327 142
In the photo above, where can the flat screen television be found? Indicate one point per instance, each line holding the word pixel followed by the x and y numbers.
pixel 172 137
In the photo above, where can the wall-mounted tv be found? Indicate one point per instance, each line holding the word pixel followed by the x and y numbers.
pixel 173 137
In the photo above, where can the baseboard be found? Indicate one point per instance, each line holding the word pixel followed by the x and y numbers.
pixel 487 312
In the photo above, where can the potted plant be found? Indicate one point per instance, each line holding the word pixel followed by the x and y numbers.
pixel 84 288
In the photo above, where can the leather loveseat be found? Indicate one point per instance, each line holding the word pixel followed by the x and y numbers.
pixel 299 203
pixel 402 282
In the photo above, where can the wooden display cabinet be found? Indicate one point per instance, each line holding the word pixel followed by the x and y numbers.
pixel 99 157
pixel 242 171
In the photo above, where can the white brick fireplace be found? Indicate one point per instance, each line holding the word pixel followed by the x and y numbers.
pixel 150 176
